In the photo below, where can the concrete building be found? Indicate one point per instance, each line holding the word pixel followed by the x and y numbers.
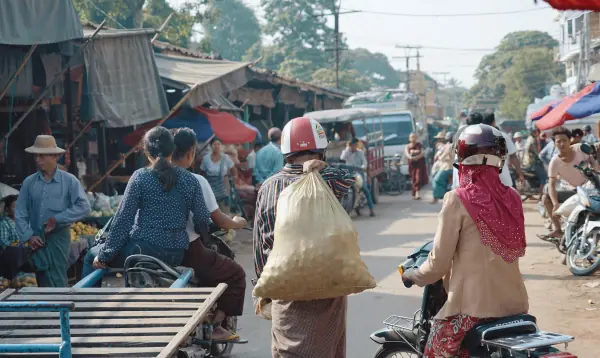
pixel 571 38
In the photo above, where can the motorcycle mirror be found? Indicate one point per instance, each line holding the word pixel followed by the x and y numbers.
pixel 586 148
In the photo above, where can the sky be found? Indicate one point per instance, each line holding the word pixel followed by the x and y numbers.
pixel 466 39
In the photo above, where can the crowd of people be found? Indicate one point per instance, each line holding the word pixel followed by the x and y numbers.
pixel 166 210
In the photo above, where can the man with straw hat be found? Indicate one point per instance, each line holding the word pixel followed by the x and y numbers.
pixel 49 202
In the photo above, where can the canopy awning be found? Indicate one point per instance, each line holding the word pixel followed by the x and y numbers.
pixel 30 22
pixel 205 122
pixel 123 85
pixel 212 78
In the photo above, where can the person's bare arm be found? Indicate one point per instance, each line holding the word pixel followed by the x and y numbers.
pixel 223 221
pixel 552 192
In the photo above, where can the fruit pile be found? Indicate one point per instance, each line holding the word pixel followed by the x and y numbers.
pixel 79 228
pixel 4 283
pixel 24 280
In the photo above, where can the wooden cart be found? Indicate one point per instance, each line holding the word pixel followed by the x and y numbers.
pixel 102 322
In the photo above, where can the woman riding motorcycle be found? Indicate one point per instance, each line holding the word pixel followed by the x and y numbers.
pixel 479 239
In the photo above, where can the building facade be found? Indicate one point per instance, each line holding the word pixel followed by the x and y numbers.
pixel 572 38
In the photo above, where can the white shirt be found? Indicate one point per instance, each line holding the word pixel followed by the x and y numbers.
pixel 251 159
pixel 211 205
pixel 356 159
pixel 505 177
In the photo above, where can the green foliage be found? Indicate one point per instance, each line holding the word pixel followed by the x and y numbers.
pixel 521 69
pixel 350 80
pixel 375 66
pixel 234 31
pixel 299 31
pixel 147 13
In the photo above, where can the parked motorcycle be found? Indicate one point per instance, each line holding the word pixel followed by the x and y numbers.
pixel 531 187
pixel 516 336
pixel 355 200
pixel 582 229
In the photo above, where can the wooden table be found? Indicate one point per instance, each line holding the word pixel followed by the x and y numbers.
pixel 111 322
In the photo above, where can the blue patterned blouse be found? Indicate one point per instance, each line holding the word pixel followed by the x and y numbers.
pixel 150 214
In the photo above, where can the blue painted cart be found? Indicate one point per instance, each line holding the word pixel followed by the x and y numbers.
pixel 103 322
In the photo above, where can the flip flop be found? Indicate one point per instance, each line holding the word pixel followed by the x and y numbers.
pixel 229 339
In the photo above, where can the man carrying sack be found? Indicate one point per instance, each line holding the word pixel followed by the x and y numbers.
pixel 310 328
pixel 49 202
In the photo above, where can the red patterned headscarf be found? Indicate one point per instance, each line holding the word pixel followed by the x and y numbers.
pixel 496 209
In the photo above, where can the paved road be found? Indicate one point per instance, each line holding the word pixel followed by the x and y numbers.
pixel 402 225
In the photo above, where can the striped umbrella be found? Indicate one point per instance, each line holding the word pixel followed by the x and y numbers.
pixel 580 105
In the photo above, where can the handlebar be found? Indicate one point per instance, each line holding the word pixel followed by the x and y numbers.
pixel 403 268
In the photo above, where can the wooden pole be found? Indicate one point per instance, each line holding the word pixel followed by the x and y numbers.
pixel 162 27
pixel 85 128
pixel 21 67
pixel 134 148
pixel 50 85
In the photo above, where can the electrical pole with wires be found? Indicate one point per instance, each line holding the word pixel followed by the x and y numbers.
pixel 336 28
pixel 408 57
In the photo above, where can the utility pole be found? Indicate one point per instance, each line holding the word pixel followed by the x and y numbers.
pixel 336 28
pixel 444 74
pixel 408 57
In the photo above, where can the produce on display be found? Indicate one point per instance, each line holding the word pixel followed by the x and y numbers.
pixel 315 253
pixel 24 280
pixel 103 205
pixel 4 283
pixel 79 228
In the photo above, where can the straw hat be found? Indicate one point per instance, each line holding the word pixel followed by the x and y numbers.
pixel 44 144
pixel 440 135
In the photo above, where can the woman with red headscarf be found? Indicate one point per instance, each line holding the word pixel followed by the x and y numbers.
pixel 479 240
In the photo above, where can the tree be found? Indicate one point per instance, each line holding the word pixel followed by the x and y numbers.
pixel 234 31
pixel 147 13
pixel 375 66
pixel 509 77
pixel 299 31
pixel 350 80
pixel 532 73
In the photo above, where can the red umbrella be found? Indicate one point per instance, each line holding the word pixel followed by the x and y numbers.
pixel 542 112
pixel 593 5
pixel 580 105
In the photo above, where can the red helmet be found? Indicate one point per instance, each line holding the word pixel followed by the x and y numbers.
pixel 481 144
pixel 303 135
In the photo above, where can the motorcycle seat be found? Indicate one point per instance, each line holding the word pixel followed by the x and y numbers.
pixel 507 326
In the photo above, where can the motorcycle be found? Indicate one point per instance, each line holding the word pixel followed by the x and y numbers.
pixel 582 228
pixel 142 271
pixel 515 336
pixel 355 199
pixel 531 187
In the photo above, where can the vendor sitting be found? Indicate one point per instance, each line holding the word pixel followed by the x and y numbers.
pixel 153 214
pixel 8 231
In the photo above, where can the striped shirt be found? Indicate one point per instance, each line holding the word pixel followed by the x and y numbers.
pixel 264 221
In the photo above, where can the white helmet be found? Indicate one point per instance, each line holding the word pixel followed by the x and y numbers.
pixel 303 135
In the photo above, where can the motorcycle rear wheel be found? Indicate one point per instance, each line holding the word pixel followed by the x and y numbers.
pixel 399 350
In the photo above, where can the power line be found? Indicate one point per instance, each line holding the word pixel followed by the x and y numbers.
pixel 451 48
pixel 448 15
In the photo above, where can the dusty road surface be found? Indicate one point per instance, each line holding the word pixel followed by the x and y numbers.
pixel 562 303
